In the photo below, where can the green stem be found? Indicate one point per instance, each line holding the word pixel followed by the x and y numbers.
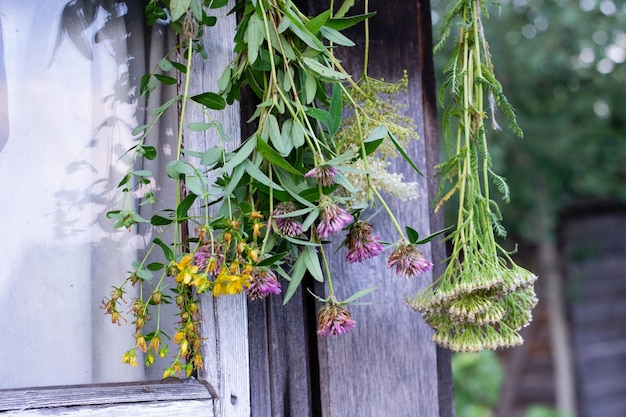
pixel 327 269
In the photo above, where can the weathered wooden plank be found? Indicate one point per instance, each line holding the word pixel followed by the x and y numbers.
pixel 388 365
pixel 281 358
pixel 595 248
pixel 224 319
pixel 158 409
pixel 105 394
pixel 432 153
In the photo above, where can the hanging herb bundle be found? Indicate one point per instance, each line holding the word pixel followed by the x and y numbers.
pixel 483 298
pixel 306 174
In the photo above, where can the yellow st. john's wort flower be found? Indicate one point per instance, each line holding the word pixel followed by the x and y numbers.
pixel 186 271
pixel 232 280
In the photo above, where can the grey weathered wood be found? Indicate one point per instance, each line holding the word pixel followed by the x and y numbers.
pixel 105 394
pixel 388 365
pixel 224 325
pixel 161 409
pixel 432 152
pixel 594 248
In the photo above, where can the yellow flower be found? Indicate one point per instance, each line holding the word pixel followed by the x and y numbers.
pixel 178 337
pixel 186 271
pixel 229 281
pixel 130 357
pixel 256 215
pixel 141 343
pixel 256 229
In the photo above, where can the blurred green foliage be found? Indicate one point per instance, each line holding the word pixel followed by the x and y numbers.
pixel 562 67
pixel 477 381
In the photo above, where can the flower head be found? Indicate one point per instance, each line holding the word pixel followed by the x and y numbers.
pixel 324 174
pixel 334 319
pixel 288 226
pixel 231 280
pixel 334 218
pixel 186 272
pixel 263 282
pixel 208 258
pixel 407 259
pixel 361 244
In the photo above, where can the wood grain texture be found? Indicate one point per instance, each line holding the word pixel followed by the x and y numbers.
pixel 388 365
pixel 224 319
pixel 282 363
pixel 594 251
pixel 161 409
pixel 104 394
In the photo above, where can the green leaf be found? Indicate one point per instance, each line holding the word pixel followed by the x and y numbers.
pixel 165 79
pixel 315 24
pixel 165 65
pixel 199 127
pixel 212 156
pixel 322 70
pixel 144 274
pixel 312 262
pixel 196 9
pixel 318 114
pixel 165 105
pixel 272 259
pixel 281 146
pixel 211 100
pixel 178 8
pixel 303 33
pixel 297 134
pixel 142 173
pixel 124 180
pixel 412 234
pixel 432 236
pixel 340 23
pixel 336 37
pixel 297 273
pixel 148 152
pixel 255 35
pixel 139 129
pixel 358 295
pixel 402 152
pixel 235 177
pixel 216 4
pixel 155 266
pixel 295 213
pixel 242 153
pixel 167 251
pixel 310 87
pixel 310 219
pixel 157 220
pixel 258 175
pixel 175 169
pixel 336 110
pixel 184 206
pixel 347 4
pixel 195 185
pixel 274 158
pixel 224 80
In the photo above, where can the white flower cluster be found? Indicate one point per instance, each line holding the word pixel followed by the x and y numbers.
pixel 380 178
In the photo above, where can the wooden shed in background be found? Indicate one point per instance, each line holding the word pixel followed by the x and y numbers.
pixel 592 252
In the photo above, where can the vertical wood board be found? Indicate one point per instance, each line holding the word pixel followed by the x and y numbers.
pixel 224 326
pixel 388 364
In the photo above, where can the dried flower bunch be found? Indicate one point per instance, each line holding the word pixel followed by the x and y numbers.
pixel 307 174
pixel 483 299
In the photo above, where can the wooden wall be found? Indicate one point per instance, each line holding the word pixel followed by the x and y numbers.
pixel 594 249
pixel 388 366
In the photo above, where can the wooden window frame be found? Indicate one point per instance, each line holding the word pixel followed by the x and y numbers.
pixel 223 387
